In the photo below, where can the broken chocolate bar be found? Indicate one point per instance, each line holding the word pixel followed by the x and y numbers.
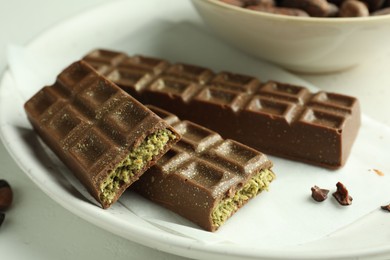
pixel 106 137
pixel 276 118
pixel 205 178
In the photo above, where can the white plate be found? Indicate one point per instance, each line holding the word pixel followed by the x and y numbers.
pixel 121 25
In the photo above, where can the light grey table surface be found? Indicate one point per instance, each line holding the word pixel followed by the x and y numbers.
pixel 36 227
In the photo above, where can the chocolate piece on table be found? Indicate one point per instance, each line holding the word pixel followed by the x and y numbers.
pixel 6 195
pixel 105 136
pixel 2 217
pixel 276 118
pixel 204 178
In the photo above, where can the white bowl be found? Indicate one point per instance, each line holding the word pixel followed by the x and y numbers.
pixel 301 44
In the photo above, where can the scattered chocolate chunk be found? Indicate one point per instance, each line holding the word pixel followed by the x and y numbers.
pixel 5 195
pixel 319 194
pixel 386 207
pixel 342 195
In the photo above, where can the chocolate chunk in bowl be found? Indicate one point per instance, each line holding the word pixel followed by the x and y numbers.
pixel 204 177
pixel 283 35
pixel 106 137
pixel 273 117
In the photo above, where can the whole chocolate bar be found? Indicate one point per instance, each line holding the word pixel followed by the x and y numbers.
pixel 276 118
pixel 205 178
pixel 106 137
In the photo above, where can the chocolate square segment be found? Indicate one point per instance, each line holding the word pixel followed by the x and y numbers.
pixel 43 100
pixel 171 87
pixel 152 65
pixel 202 173
pixel 218 99
pixel 323 119
pixel 283 91
pixel 196 138
pixel 190 72
pixel 277 118
pixel 106 56
pixel 64 122
pixel 267 107
pixel 238 156
pixel 89 148
pixel 217 96
pixel 106 137
pixel 71 76
pixel 131 79
pixel 336 102
pixel 95 95
pixel 235 82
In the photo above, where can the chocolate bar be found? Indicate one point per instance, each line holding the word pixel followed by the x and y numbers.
pixel 105 136
pixel 276 118
pixel 203 177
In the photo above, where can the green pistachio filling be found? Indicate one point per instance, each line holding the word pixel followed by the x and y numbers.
pixel 135 161
pixel 254 186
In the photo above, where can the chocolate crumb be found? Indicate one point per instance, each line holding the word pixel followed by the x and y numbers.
pixel 342 195
pixel 386 207
pixel 319 194
pixel 379 172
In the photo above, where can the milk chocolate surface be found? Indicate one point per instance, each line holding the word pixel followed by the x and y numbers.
pixel 203 177
pixel 276 118
pixel 105 136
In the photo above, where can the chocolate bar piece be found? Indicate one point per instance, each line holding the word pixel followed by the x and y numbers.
pixel 204 178
pixel 105 136
pixel 276 118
